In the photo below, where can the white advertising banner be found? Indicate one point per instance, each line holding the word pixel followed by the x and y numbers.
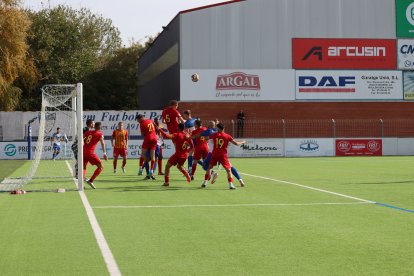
pixel 309 147
pixel 406 54
pixel 349 85
pixel 258 148
pixel 238 85
pixel 19 150
pixel 110 119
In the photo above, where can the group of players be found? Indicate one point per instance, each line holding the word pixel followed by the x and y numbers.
pixel 190 140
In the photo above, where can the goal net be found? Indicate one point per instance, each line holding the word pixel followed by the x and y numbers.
pixel 56 153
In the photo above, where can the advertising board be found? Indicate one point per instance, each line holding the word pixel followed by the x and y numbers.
pixel 406 54
pixel 238 85
pixel 324 53
pixel 405 18
pixel 307 147
pixel 358 147
pixel 258 148
pixel 349 85
pixel 409 85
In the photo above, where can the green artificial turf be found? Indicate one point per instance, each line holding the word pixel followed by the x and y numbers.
pixel 274 226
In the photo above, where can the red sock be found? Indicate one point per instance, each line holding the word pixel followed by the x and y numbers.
pixel 193 168
pixel 166 179
pixel 115 164
pixel 159 165
pixel 96 173
pixel 230 180
pixel 84 173
pixel 123 163
pixel 207 176
pixel 141 162
pixel 152 165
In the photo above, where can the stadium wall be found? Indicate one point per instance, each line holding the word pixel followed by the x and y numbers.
pixel 299 147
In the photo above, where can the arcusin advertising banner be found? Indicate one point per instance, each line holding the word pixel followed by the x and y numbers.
pixel 322 53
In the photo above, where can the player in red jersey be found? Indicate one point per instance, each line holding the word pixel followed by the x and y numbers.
pixel 182 146
pixel 221 142
pixel 119 141
pixel 147 127
pixel 90 140
pixel 201 145
pixel 171 117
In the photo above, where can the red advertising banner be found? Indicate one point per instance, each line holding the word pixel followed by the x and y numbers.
pixel 356 147
pixel 321 53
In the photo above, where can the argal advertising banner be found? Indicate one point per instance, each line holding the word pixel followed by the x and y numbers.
pixel 258 148
pixel 406 54
pixel 321 53
pixel 238 85
pixel 309 147
pixel 358 147
pixel 349 85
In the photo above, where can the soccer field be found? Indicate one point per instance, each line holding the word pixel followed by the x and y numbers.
pixel 297 216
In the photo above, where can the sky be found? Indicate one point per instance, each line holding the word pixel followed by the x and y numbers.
pixel 136 19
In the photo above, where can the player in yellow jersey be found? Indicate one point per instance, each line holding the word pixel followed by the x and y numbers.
pixel 119 141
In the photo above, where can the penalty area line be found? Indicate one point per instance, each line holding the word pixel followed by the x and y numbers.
pixel 309 187
pixel 109 259
pixel 229 205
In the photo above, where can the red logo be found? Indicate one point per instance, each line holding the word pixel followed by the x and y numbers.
pixel 319 53
pixel 344 146
pixel 238 81
pixel 373 146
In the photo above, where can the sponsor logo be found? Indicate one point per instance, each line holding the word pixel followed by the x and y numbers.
pixel 409 13
pixel 333 51
pixel 309 146
pixel 407 49
pixel 321 53
pixel 10 150
pixel 237 81
pixel 327 84
pixel 373 146
pixel 258 148
pixel 344 146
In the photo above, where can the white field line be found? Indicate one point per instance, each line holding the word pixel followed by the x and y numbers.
pixel 309 187
pixel 228 205
pixel 109 259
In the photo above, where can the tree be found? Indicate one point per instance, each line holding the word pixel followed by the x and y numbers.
pixel 115 86
pixel 14 24
pixel 67 46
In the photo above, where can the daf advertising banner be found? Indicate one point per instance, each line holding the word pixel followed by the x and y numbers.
pixel 349 85
pixel 237 85
pixel 406 54
pixel 358 147
pixel 309 147
pixel 258 148
pixel 409 85
pixel 405 18
pixel 321 53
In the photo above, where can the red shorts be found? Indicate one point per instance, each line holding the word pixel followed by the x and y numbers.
pixel 175 159
pixel 149 144
pixel 118 152
pixel 173 129
pixel 223 159
pixel 200 153
pixel 91 158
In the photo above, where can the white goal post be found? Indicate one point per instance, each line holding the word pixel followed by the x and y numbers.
pixel 58 150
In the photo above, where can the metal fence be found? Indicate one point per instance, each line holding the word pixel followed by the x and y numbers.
pixel 329 128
